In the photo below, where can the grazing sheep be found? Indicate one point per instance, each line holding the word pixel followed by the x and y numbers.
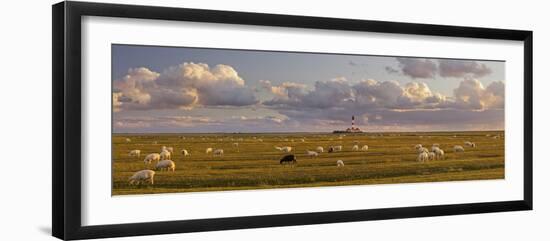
pixel 434 148
pixel 165 155
pixel 312 154
pixel 439 154
pixel 142 176
pixel 218 152
pixel 339 163
pixel 236 145
pixel 431 155
pixel 288 159
pixel 128 140
pixel 135 153
pixel 170 149
pixel 208 150
pixel 335 148
pixel 303 140
pixel 422 157
pixel 284 148
pixel 458 148
pixel 154 142
pixel 320 149
pixel 417 146
pixel 365 148
pixel 163 148
pixel 167 165
pixel 470 144
pixel 151 157
pixel 355 148
pixel 184 152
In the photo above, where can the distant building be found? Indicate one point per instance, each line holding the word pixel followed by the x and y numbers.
pixel 351 129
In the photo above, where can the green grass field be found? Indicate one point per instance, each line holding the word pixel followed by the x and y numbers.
pixel 391 158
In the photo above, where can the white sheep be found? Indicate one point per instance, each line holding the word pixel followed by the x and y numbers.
pixel 439 154
pixel 135 153
pixel 284 148
pixel 355 148
pixel 218 152
pixel 170 149
pixel 365 148
pixel 184 152
pixel 319 149
pixel 335 148
pixel 339 163
pixel 128 140
pixel 142 176
pixel 417 146
pixel 458 148
pixel 470 144
pixel 435 148
pixel 312 154
pixel 167 165
pixel 422 157
pixel 208 150
pixel 165 155
pixel 151 157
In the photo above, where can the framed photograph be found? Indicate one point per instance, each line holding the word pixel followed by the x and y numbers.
pixel 171 120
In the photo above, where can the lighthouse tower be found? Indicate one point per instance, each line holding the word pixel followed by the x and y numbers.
pixel 353 122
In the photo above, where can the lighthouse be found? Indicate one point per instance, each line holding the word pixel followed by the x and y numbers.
pixel 351 129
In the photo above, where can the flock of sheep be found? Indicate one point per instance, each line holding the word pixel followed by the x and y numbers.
pixel 164 158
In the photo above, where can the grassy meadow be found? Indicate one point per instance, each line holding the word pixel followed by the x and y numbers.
pixel 391 158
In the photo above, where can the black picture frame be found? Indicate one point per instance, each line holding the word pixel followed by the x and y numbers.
pixel 66 47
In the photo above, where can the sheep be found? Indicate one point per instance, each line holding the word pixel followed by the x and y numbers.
pixel 355 148
pixel 434 148
pixel 319 149
pixel 208 150
pixel 365 148
pixel 165 155
pixel 128 140
pixel 170 149
pixel 284 148
pixel 312 154
pixel 439 154
pixel 218 152
pixel 142 176
pixel 417 146
pixel 151 157
pixel 422 157
pixel 339 163
pixel 288 159
pixel 236 145
pixel 470 144
pixel 135 153
pixel 458 148
pixel 167 165
pixel 335 148
pixel 184 152
pixel 431 155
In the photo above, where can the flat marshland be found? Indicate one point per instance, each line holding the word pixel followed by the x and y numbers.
pixel 253 163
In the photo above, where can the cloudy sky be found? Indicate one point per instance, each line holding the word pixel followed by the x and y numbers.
pixel 168 89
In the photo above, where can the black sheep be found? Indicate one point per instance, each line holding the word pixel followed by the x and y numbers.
pixel 290 159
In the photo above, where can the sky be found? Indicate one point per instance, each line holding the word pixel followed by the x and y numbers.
pixel 199 90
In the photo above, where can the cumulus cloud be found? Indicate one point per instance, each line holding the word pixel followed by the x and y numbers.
pixel 340 93
pixel 471 94
pixel 462 68
pixel 417 67
pixel 183 86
